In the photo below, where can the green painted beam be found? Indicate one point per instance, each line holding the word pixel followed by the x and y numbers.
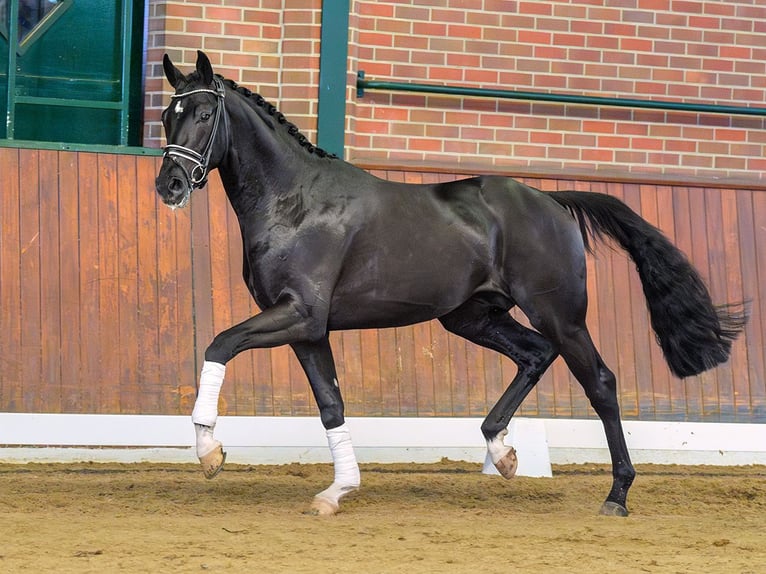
pixel 363 84
pixel 80 147
pixel 333 61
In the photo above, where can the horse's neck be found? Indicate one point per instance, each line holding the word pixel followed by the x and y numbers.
pixel 261 165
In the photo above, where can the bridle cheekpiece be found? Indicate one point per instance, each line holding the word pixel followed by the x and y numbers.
pixel 197 177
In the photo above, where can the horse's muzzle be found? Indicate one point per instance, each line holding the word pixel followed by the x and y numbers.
pixel 173 187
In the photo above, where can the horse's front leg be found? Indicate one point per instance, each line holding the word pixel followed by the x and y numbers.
pixel 285 323
pixel 209 451
pixel 318 363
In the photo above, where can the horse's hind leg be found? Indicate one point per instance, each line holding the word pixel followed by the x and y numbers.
pixel 601 389
pixel 318 363
pixel 565 325
pixel 492 327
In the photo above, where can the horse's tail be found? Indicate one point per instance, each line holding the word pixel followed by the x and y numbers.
pixel 694 334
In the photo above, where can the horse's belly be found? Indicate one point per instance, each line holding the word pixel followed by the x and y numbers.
pixel 370 313
pixel 404 299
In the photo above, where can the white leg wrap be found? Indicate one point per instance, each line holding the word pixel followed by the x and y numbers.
pixel 205 410
pixel 206 406
pixel 347 478
pixel 343 457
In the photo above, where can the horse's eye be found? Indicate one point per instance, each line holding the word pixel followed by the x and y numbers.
pixel 204 116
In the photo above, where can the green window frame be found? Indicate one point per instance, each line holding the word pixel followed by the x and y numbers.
pixel 31 100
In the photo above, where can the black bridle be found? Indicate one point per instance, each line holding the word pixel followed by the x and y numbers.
pixel 197 177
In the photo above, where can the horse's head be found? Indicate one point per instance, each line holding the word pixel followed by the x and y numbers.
pixel 195 128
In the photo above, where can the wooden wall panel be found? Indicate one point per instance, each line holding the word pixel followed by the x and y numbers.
pixel 26 398
pixel 108 300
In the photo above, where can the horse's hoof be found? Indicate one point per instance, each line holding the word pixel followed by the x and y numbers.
pixel 212 462
pixel 322 506
pixel 610 508
pixel 508 464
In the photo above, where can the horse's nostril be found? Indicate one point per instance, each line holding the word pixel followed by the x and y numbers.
pixel 176 185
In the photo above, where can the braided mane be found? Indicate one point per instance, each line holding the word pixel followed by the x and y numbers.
pixel 272 110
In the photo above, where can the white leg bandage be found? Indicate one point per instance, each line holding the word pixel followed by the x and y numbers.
pixel 343 457
pixel 347 478
pixel 205 410
pixel 206 406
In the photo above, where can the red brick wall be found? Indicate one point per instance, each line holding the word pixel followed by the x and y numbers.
pixel 692 51
pixel 270 46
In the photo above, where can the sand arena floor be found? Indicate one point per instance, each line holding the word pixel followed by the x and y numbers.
pixel 408 518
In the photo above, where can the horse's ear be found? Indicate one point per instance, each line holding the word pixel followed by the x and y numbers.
pixel 204 68
pixel 172 73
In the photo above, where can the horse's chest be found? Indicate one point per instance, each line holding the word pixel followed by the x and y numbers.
pixel 267 269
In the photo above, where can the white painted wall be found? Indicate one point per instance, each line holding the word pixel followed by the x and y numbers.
pixel 281 440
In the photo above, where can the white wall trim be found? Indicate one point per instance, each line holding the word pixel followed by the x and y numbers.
pixel 280 440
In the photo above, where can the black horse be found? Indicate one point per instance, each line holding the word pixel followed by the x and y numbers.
pixel 328 246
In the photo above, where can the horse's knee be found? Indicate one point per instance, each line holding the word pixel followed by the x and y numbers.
pixel 331 410
pixel 219 350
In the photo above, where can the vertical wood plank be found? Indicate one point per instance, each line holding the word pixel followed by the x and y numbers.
pixel 758 321
pixel 424 369
pixel 725 268
pixel 12 392
pixel 352 384
pixel 736 368
pixel 754 344
pixel 69 281
pixel 280 371
pixel 475 374
pixel 388 373
pixel 108 284
pixel 371 379
pixel 127 254
pixel 89 290
pixel 405 364
pixel 28 394
pixel 442 370
pixel 148 302
pixel 459 381
pixel 50 283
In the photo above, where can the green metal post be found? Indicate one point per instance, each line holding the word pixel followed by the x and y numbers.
pixel 127 39
pixel 13 40
pixel 333 58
